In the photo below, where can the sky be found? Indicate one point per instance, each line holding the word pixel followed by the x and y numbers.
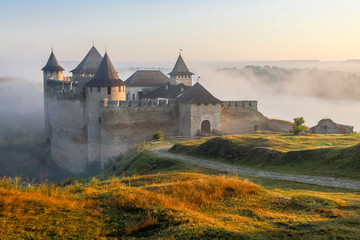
pixel 154 31
pixel 150 33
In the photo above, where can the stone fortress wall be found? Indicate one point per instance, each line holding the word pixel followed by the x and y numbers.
pixel 92 118
pixel 66 119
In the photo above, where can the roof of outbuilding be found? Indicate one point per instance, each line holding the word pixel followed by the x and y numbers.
pixel 180 67
pixel 147 78
pixel 197 94
pixel 90 63
pixel 168 91
pixel 106 75
pixel 52 64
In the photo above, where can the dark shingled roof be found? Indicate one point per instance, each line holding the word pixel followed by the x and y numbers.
pixel 147 78
pixel 90 63
pixel 106 75
pixel 167 91
pixel 52 64
pixel 197 94
pixel 180 68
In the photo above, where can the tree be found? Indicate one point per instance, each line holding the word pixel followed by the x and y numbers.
pixel 298 125
pixel 158 135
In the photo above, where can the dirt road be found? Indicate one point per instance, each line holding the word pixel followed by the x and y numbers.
pixel 322 181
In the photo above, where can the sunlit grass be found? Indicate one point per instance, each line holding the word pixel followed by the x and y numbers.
pixel 287 142
pixel 173 205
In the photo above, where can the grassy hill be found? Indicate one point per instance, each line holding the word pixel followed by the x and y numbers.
pixel 173 206
pixel 144 196
pixel 329 155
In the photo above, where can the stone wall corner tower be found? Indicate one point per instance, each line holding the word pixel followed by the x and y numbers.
pixel 105 85
pixel 51 71
pixel 180 73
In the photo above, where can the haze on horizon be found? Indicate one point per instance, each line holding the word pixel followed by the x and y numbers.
pixel 141 32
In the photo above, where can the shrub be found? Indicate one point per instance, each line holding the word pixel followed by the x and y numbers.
pixel 158 135
pixel 298 125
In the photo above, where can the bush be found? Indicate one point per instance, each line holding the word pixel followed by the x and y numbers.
pixel 298 125
pixel 158 135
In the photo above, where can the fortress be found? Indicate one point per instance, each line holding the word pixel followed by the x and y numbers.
pixel 94 115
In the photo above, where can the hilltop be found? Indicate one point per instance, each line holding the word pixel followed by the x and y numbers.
pixel 314 154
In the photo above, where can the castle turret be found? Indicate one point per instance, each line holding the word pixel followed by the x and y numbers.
pixel 88 66
pixel 52 69
pixel 106 84
pixel 180 73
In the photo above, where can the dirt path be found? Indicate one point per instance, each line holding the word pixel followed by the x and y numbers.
pixel 322 181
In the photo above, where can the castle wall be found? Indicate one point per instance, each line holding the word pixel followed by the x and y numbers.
pixel 127 123
pixel 202 112
pixel 65 108
pixel 184 118
pixel 238 117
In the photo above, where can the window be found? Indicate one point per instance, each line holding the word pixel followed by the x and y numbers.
pixel 133 96
pixel 98 89
pixel 206 104
pixel 109 90
pixel 120 88
pixel 99 119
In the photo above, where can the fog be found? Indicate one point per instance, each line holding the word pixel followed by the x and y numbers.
pixel 311 93
pixel 312 89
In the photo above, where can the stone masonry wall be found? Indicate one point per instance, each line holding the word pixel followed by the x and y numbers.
pixel 65 108
pixel 127 123
pixel 236 119
pixel 203 111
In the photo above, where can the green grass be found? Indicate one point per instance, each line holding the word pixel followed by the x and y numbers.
pixel 324 155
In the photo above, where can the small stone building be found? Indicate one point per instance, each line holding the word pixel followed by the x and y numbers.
pixel 328 126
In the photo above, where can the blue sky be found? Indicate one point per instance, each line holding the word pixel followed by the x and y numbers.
pixel 147 31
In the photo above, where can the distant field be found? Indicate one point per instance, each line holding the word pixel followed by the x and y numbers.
pixel 328 155
pixel 173 206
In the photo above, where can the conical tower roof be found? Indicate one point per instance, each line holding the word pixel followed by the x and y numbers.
pixel 90 63
pixel 197 94
pixel 52 64
pixel 106 75
pixel 180 67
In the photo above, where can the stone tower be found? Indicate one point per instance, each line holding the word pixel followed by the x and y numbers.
pixel 180 73
pixel 52 71
pixel 199 112
pixel 105 85
pixel 88 66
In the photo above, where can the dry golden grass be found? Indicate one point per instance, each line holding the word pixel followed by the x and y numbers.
pixel 174 206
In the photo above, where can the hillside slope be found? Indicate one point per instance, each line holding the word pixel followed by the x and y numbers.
pixel 329 155
pixel 173 206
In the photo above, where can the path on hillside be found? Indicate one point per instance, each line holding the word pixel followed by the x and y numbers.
pixel 223 167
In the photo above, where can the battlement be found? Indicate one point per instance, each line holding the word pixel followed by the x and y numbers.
pixel 67 88
pixel 131 104
pixel 244 104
